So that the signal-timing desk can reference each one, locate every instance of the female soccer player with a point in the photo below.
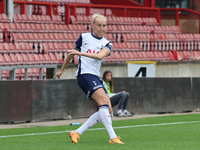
(92, 48)
(121, 99)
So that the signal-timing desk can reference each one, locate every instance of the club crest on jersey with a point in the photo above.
(94, 82)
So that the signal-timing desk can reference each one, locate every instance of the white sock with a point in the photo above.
(106, 120)
(94, 119)
(119, 111)
(125, 111)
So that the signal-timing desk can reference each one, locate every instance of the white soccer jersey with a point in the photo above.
(88, 43)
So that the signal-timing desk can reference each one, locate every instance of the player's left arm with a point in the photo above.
(103, 53)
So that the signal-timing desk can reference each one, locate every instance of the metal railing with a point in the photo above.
(12, 70)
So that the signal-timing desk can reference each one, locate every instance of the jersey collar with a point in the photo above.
(96, 37)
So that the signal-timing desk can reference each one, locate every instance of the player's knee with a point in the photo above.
(104, 100)
(127, 94)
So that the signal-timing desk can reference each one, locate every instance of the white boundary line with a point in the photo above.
(133, 126)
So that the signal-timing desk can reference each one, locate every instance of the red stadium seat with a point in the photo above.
(12, 48)
(2, 60)
(44, 19)
(4, 18)
(8, 60)
(37, 59)
(15, 18)
(56, 19)
(1, 48)
(53, 58)
(20, 59)
(6, 47)
(66, 46)
(31, 58)
(131, 56)
(51, 47)
(25, 18)
(57, 48)
(26, 59)
(48, 59)
(42, 59)
(73, 19)
(13, 27)
(18, 74)
(79, 19)
(61, 37)
(45, 47)
(40, 20)
(59, 58)
(56, 37)
(38, 28)
(48, 19)
(35, 18)
(30, 19)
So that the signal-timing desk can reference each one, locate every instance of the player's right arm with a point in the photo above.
(67, 60)
(78, 44)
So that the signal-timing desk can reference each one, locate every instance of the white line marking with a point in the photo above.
(133, 126)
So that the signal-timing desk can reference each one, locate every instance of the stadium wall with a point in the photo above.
(163, 69)
(55, 99)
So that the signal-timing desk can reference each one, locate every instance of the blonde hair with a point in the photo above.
(95, 16)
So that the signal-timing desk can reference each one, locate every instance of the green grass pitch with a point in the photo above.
(176, 132)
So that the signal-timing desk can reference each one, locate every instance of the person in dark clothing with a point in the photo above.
(121, 98)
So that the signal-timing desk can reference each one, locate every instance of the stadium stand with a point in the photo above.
(44, 40)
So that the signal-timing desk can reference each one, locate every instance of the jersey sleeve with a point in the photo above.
(108, 46)
(78, 42)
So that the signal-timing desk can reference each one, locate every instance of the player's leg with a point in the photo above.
(92, 120)
(103, 102)
(84, 82)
